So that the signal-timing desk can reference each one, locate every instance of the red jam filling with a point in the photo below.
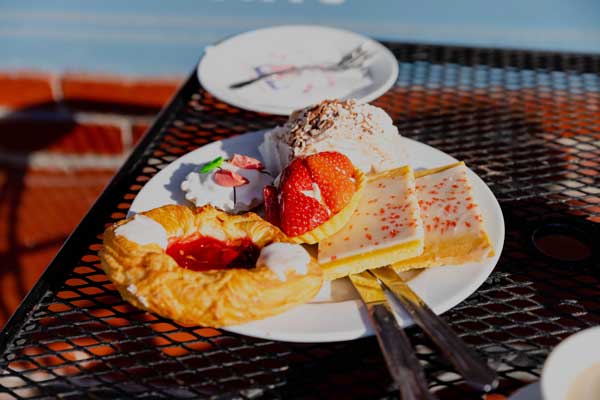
(204, 253)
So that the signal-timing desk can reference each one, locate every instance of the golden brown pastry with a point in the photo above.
(164, 261)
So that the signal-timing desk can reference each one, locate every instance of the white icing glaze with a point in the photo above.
(202, 189)
(143, 230)
(387, 215)
(447, 204)
(364, 133)
(281, 257)
(133, 290)
(143, 300)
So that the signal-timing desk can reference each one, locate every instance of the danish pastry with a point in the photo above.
(207, 267)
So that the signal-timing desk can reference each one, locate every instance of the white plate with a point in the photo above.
(341, 318)
(242, 56)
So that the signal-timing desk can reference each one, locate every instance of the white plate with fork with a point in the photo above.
(271, 50)
(337, 313)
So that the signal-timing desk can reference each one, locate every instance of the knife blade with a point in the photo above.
(475, 371)
(401, 360)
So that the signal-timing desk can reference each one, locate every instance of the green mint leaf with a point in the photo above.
(212, 165)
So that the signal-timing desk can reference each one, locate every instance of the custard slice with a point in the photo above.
(385, 228)
(454, 228)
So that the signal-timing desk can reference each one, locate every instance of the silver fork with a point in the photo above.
(353, 59)
(474, 370)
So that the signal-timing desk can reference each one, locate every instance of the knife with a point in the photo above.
(475, 372)
(401, 360)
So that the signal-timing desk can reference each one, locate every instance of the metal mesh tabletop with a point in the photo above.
(527, 123)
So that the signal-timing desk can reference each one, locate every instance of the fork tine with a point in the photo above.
(351, 55)
(358, 60)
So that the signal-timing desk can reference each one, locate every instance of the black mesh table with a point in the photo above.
(527, 122)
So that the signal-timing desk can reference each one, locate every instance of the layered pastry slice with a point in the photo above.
(385, 228)
(454, 228)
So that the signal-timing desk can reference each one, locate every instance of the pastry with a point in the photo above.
(207, 267)
(385, 228)
(315, 197)
(233, 185)
(454, 228)
(364, 133)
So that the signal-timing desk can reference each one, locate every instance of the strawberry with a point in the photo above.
(296, 177)
(336, 160)
(300, 213)
(271, 205)
(245, 162)
(227, 178)
(330, 170)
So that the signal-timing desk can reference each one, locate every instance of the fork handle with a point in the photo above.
(475, 371)
(403, 365)
(241, 84)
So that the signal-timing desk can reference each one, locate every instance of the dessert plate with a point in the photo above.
(267, 50)
(337, 314)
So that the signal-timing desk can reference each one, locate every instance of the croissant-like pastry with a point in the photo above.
(135, 257)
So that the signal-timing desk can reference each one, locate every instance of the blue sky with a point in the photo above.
(157, 37)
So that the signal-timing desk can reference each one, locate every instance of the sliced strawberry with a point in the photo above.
(227, 178)
(300, 213)
(245, 162)
(329, 171)
(271, 205)
(295, 177)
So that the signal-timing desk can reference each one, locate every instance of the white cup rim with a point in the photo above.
(570, 358)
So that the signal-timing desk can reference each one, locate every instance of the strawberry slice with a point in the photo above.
(296, 177)
(299, 213)
(330, 170)
(271, 205)
(227, 178)
(245, 162)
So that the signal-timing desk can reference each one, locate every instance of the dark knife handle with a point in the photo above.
(475, 371)
(402, 363)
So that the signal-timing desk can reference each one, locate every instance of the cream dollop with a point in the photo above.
(201, 189)
(143, 230)
(281, 257)
(364, 133)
